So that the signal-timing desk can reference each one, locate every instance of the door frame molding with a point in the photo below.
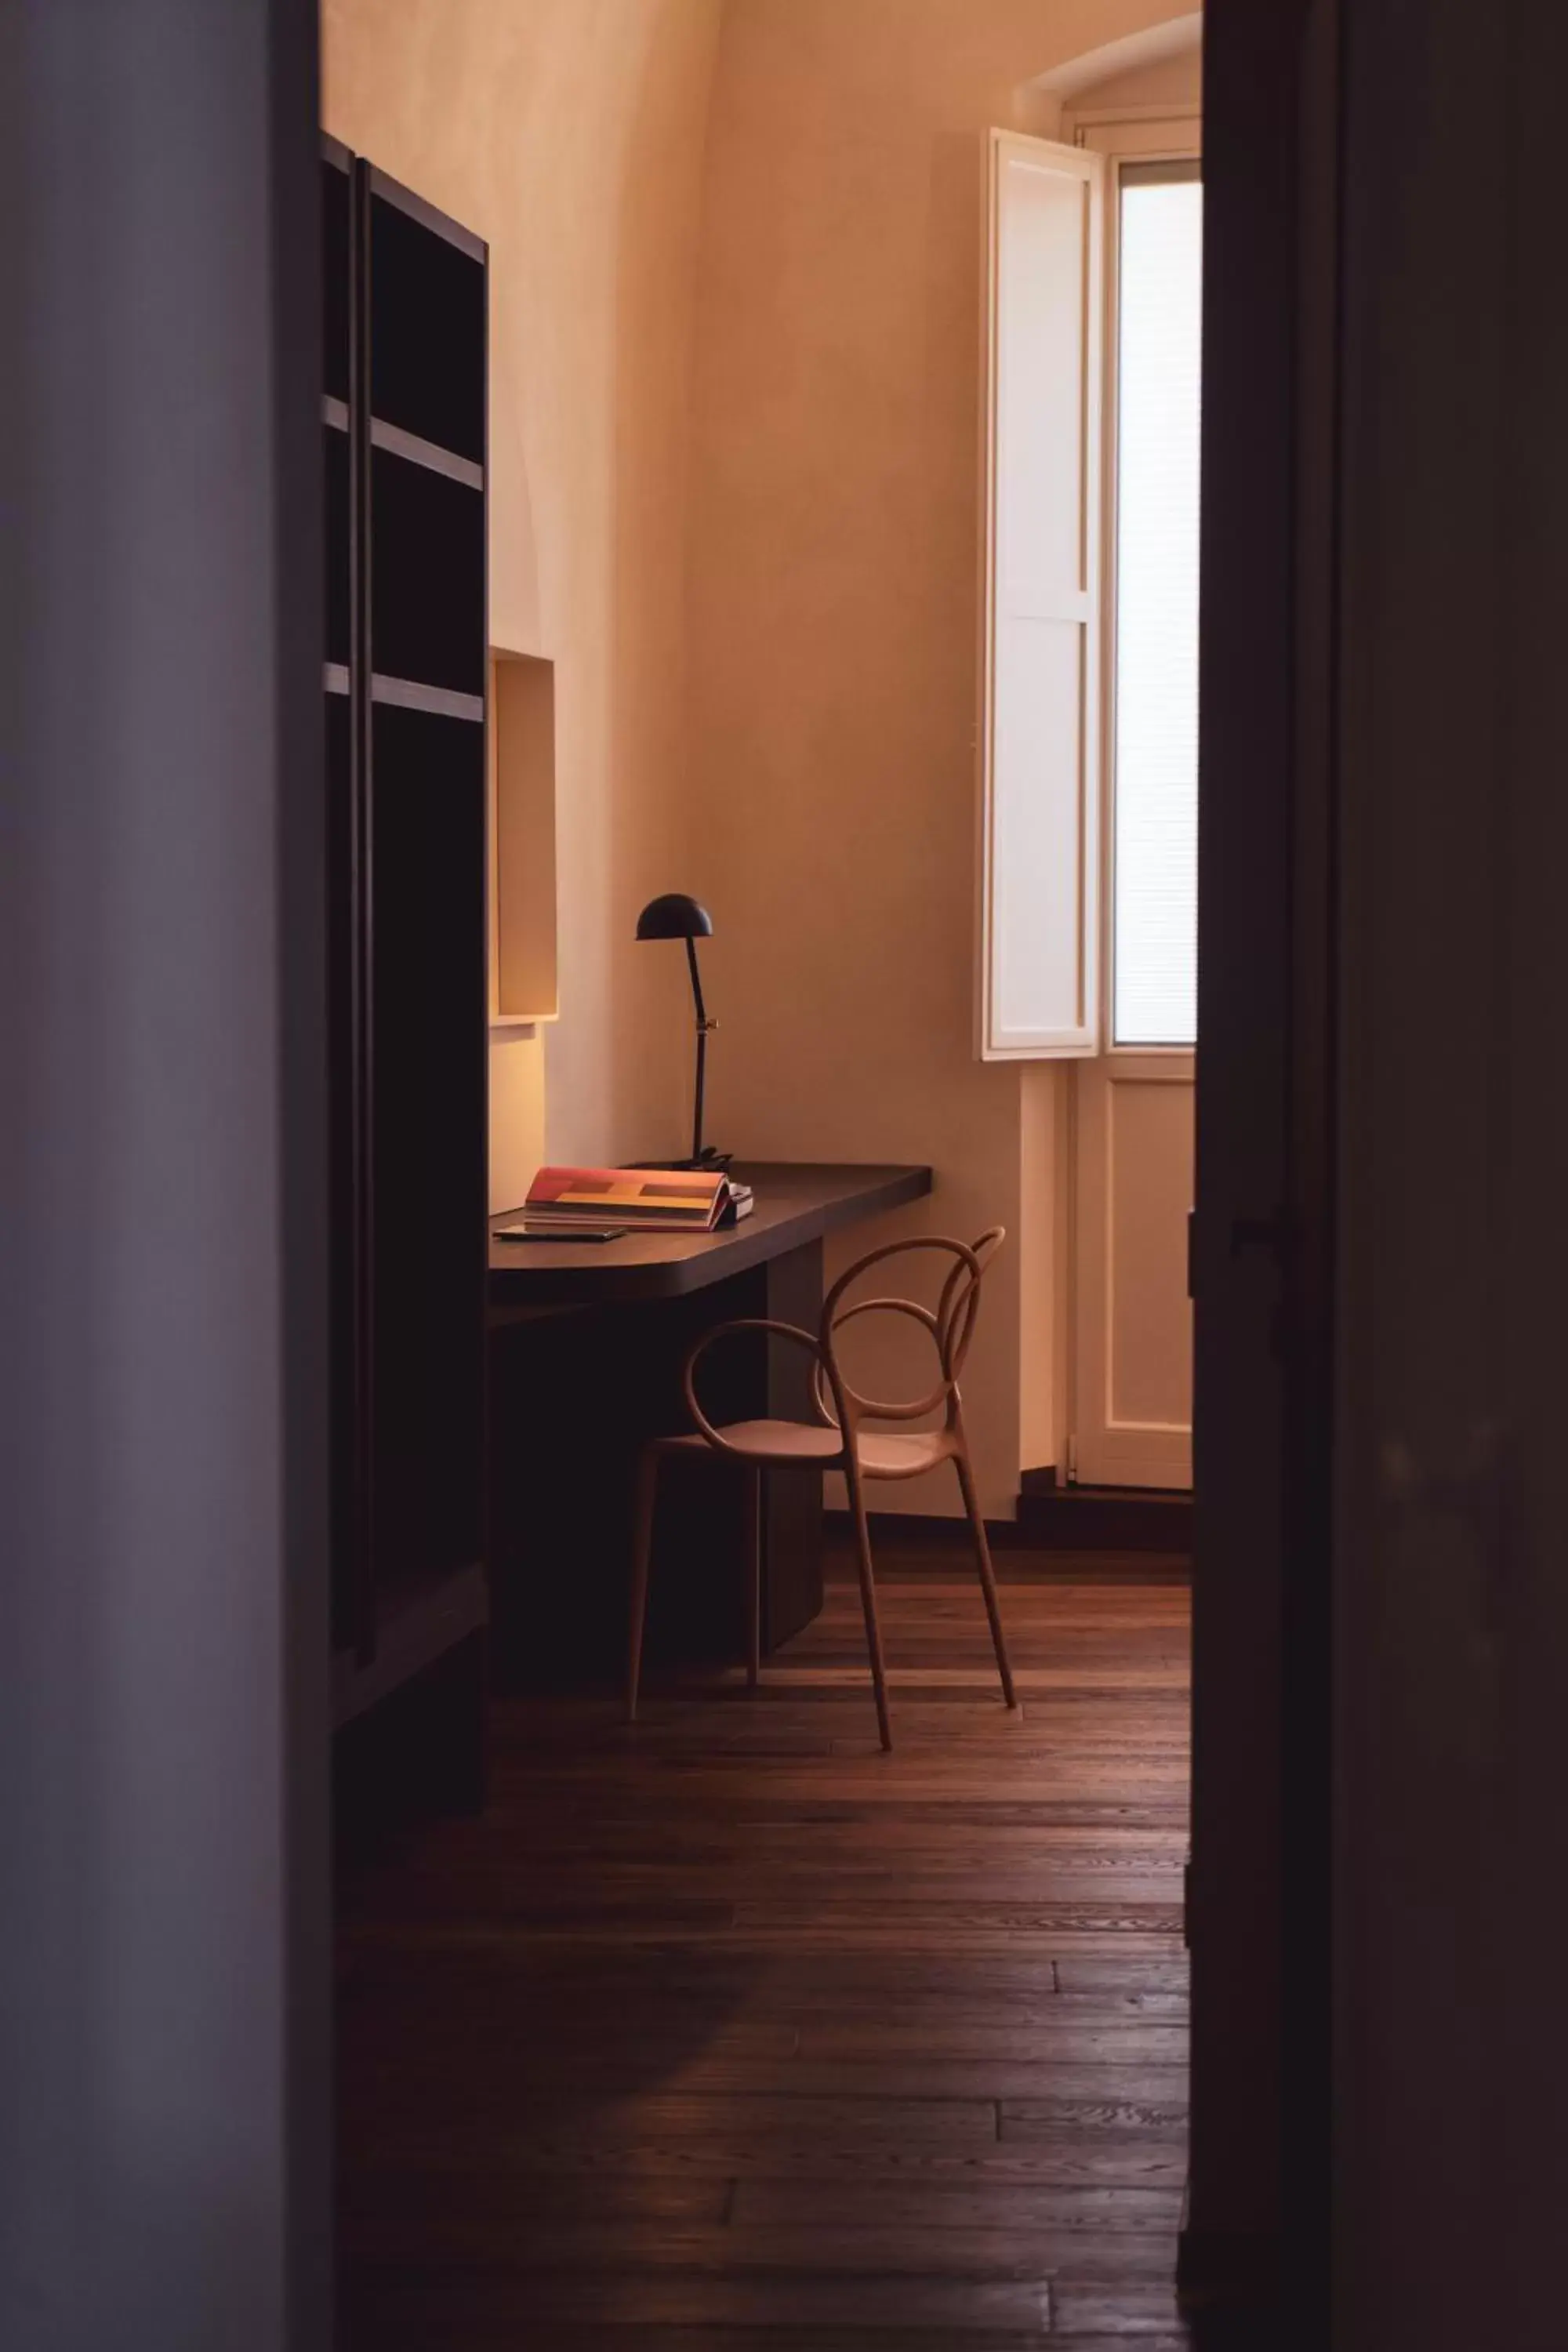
(1259, 1911)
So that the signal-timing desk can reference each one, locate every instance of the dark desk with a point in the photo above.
(797, 1204)
(589, 1340)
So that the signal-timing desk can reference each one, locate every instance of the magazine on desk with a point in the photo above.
(634, 1200)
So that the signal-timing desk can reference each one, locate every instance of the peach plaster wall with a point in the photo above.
(832, 630)
(735, 250)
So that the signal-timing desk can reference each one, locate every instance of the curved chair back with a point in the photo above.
(951, 1326)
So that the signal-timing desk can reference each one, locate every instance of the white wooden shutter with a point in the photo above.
(1040, 790)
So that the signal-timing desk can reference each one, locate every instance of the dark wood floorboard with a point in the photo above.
(730, 2034)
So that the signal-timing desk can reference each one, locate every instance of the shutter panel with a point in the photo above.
(1040, 772)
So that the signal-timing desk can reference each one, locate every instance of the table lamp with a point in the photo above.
(676, 916)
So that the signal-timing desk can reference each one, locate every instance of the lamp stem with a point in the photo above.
(701, 1051)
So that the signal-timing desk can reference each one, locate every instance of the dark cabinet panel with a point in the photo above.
(428, 301)
(338, 544)
(347, 1288)
(427, 576)
(405, 538)
(428, 1155)
(336, 276)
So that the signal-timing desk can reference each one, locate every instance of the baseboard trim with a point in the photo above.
(1025, 1554)
(1104, 1518)
(920, 1529)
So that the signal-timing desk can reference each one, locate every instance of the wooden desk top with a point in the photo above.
(797, 1202)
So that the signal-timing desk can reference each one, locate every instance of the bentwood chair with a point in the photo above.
(841, 1439)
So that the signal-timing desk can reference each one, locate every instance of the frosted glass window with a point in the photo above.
(1158, 402)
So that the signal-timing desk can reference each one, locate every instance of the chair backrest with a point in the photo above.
(951, 1326)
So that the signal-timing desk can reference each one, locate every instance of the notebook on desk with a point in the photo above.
(558, 1229)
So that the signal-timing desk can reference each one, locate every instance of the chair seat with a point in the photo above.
(883, 1454)
(902, 1451)
(889, 1453)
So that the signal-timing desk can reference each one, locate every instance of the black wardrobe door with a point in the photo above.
(429, 1091)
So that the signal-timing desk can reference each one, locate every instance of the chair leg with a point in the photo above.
(753, 1508)
(987, 1574)
(869, 1603)
(646, 1497)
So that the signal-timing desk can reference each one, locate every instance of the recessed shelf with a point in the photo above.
(407, 694)
(425, 453)
(334, 412)
(524, 988)
(336, 677)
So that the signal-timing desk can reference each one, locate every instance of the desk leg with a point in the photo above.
(793, 1526)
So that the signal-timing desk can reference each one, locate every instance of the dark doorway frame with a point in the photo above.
(165, 2132)
(1258, 1910)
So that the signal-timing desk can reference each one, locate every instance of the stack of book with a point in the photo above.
(568, 1201)
(602, 1205)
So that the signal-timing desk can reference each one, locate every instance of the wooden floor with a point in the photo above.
(731, 2032)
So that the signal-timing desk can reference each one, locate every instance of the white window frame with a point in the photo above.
(1156, 1453)
(1068, 1025)
(1131, 135)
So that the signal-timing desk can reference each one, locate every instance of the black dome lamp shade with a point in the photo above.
(675, 915)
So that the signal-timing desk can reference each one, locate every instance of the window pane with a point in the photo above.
(1156, 652)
